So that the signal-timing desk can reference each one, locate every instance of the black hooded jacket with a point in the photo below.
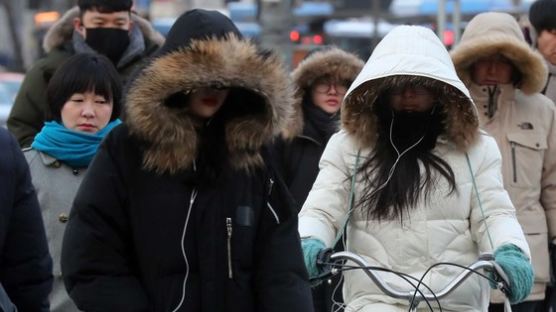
(25, 264)
(298, 150)
(164, 221)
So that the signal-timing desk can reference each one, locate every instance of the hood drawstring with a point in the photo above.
(492, 103)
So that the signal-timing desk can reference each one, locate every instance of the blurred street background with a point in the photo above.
(292, 27)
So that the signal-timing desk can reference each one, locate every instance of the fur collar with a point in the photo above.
(62, 31)
(170, 134)
(334, 63)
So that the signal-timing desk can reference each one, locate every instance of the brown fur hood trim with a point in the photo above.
(170, 132)
(358, 118)
(491, 33)
(334, 63)
(62, 31)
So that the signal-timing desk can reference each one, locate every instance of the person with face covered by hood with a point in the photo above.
(107, 27)
(322, 79)
(505, 77)
(181, 209)
(408, 155)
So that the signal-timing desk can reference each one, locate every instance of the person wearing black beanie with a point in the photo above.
(542, 16)
(181, 209)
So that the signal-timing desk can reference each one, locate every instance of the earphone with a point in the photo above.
(191, 202)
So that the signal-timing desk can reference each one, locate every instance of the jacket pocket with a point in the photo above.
(526, 158)
(535, 229)
(240, 240)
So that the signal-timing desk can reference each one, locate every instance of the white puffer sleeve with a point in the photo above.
(326, 206)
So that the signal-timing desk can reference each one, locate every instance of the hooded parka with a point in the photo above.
(301, 144)
(146, 233)
(61, 42)
(523, 125)
(446, 227)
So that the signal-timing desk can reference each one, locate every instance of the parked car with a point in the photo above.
(9, 86)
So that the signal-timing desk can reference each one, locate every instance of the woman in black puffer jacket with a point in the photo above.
(180, 209)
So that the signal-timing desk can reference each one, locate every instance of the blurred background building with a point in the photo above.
(291, 27)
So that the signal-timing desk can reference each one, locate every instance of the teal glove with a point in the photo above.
(311, 248)
(519, 270)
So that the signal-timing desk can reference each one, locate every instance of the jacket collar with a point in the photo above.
(135, 48)
(62, 31)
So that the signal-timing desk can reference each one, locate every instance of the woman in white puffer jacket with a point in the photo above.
(409, 129)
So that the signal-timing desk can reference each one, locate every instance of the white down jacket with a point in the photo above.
(445, 228)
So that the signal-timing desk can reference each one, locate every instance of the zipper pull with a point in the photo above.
(229, 245)
(271, 184)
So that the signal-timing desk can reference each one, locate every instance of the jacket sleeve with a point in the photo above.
(26, 266)
(28, 112)
(493, 221)
(99, 272)
(281, 278)
(326, 208)
(548, 181)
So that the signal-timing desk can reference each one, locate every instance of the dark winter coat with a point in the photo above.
(143, 198)
(25, 264)
(28, 113)
(300, 146)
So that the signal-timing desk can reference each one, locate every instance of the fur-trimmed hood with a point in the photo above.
(494, 32)
(334, 63)
(229, 61)
(62, 31)
(410, 54)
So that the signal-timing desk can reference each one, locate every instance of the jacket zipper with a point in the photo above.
(270, 185)
(229, 244)
(512, 144)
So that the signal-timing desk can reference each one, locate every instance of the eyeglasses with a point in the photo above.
(326, 87)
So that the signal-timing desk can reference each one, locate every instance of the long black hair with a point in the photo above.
(390, 195)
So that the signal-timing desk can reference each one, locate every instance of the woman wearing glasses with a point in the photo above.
(322, 79)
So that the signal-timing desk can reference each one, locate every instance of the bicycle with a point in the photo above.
(335, 263)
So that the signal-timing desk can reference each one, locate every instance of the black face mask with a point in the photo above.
(409, 127)
(110, 42)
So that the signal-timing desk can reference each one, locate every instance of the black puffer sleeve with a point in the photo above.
(97, 265)
(25, 263)
(282, 280)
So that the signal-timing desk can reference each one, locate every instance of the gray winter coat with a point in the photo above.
(56, 185)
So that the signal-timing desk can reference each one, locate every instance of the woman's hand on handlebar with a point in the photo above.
(312, 247)
(518, 269)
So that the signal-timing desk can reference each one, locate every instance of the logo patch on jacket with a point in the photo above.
(526, 126)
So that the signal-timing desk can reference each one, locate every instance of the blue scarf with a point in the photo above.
(74, 148)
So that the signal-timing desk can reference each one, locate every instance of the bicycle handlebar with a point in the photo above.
(485, 261)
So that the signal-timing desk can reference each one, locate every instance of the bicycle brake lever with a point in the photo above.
(323, 258)
(504, 284)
